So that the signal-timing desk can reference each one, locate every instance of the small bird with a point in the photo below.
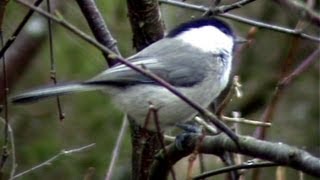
(194, 57)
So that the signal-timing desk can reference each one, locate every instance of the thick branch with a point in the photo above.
(279, 153)
(146, 23)
(98, 27)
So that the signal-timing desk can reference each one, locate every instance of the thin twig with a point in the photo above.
(202, 165)
(235, 89)
(192, 158)
(302, 9)
(55, 157)
(152, 76)
(267, 115)
(98, 27)
(210, 128)
(160, 137)
(53, 73)
(226, 8)
(301, 68)
(244, 20)
(13, 149)
(245, 121)
(116, 149)
(3, 7)
(282, 85)
(5, 152)
(234, 167)
(13, 153)
(18, 30)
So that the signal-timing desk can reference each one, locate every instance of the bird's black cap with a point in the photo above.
(197, 23)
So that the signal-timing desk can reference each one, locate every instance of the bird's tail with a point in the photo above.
(52, 91)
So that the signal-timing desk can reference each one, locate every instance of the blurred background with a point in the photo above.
(91, 117)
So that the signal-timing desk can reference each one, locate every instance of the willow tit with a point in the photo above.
(195, 57)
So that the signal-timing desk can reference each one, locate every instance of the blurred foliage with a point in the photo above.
(91, 117)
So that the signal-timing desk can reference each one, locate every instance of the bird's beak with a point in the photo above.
(240, 40)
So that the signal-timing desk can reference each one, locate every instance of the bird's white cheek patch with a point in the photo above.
(207, 38)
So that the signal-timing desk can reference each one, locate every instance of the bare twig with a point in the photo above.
(226, 8)
(55, 157)
(99, 27)
(5, 92)
(154, 112)
(234, 167)
(13, 149)
(154, 77)
(18, 30)
(245, 121)
(301, 68)
(268, 113)
(53, 71)
(210, 128)
(116, 149)
(244, 20)
(3, 5)
(192, 158)
(235, 88)
(301, 9)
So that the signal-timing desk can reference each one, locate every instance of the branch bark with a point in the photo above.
(98, 27)
(146, 23)
(279, 153)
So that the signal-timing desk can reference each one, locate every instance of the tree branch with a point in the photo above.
(234, 167)
(18, 30)
(116, 149)
(279, 153)
(226, 8)
(243, 20)
(301, 9)
(98, 27)
(146, 23)
(54, 158)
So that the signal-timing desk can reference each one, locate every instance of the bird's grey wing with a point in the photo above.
(176, 74)
(165, 58)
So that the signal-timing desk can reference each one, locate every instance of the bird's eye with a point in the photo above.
(223, 56)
